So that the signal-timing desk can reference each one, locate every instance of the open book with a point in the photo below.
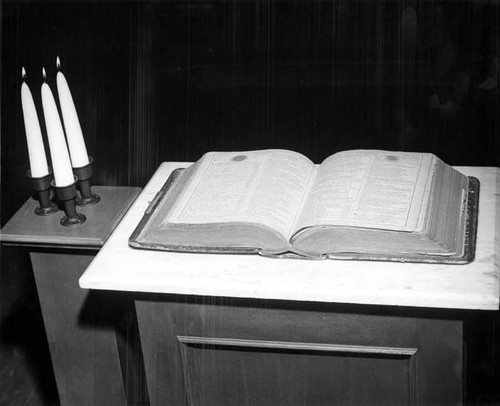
(359, 204)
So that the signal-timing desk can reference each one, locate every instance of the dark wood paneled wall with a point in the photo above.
(170, 80)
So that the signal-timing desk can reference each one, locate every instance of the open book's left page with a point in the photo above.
(264, 187)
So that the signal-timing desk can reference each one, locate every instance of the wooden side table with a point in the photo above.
(79, 326)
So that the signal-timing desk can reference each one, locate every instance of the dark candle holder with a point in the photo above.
(67, 195)
(84, 174)
(41, 186)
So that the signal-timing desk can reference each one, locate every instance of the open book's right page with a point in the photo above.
(370, 188)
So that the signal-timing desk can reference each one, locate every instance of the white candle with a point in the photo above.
(61, 163)
(36, 150)
(76, 143)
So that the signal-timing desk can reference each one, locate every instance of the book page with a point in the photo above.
(266, 187)
(366, 188)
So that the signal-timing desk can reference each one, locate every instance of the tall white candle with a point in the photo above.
(61, 163)
(76, 143)
(36, 149)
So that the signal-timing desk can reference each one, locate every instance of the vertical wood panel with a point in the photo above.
(143, 135)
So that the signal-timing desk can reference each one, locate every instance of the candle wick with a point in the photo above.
(44, 74)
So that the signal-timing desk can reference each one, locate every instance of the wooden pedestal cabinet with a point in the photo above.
(247, 352)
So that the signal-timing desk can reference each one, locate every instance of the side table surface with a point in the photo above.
(26, 228)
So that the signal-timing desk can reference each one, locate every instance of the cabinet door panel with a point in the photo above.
(251, 372)
(249, 352)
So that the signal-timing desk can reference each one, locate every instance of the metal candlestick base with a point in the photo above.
(67, 195)
(41, 186)
(84, 174)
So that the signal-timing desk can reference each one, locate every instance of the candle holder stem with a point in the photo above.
(44, 199)
(70, 209)
(41, 186)
(84, 174)
(67, 195)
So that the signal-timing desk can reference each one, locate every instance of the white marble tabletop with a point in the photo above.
(474, 286)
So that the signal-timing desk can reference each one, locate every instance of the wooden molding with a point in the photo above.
(296, 346)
